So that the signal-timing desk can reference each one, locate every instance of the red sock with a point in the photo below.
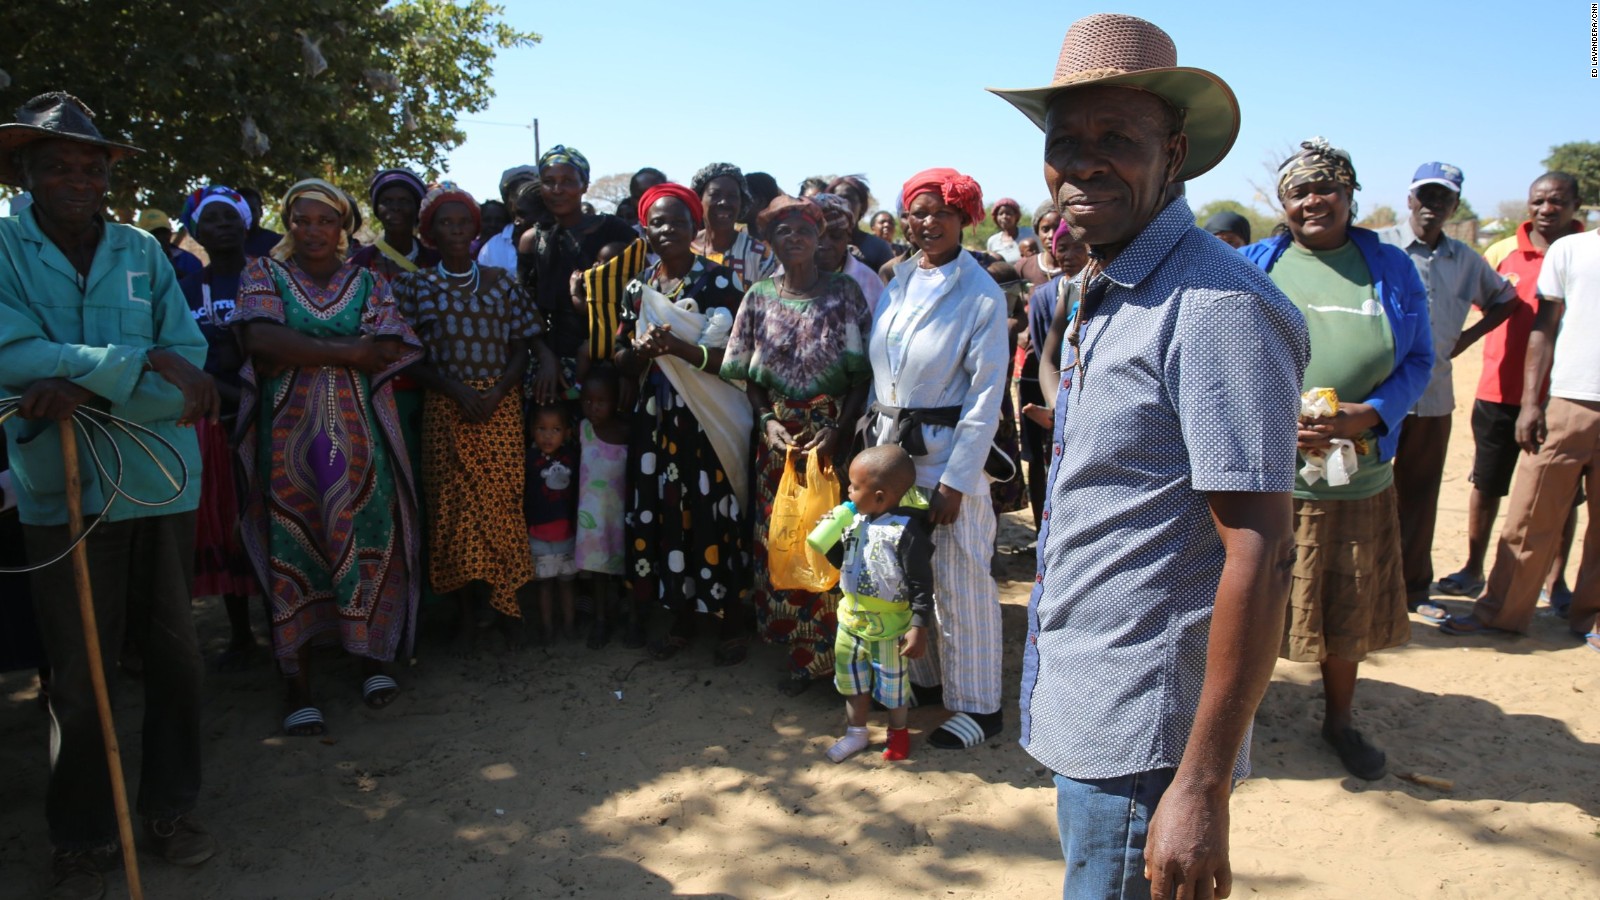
(899, 744)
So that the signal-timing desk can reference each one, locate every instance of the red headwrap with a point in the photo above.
(446, 192)
(697, 213)
(1004, 202)
(950, 186)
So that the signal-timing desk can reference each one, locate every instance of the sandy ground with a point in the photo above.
(570, 773)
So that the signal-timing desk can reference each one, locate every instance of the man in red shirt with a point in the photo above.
(1552, 207)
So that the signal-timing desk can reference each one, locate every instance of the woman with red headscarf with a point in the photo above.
(689, 450)
(938, 354)
(476, 326)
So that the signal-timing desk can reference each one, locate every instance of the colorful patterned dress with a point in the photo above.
(329, 518)
(809, 355)
(684, 528)
(472, 473)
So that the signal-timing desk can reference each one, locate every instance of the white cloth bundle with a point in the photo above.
(1338, 462)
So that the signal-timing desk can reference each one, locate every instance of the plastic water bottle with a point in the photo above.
(827, 532)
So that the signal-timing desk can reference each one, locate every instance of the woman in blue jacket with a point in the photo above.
(1367, 314)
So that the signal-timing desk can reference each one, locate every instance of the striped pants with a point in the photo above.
(964, 653)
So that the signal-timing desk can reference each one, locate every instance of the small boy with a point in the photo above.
(550, 504)
(885, 562)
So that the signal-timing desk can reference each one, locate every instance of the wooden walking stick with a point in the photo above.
(97, 672)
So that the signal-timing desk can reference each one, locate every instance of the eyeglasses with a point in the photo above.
(943, 212)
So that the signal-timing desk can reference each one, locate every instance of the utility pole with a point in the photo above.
(536, 152)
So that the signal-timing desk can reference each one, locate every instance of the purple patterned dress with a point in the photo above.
(329, 520)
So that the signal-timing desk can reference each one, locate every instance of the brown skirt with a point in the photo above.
(1349, 592)
(472, 476)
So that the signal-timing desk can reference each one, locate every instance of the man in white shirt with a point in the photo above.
(500, 251)
(1564, 440)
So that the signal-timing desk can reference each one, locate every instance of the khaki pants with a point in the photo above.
(1541, 500)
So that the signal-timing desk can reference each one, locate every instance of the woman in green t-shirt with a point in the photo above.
(1362, 303)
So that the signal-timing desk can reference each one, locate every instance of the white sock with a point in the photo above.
(854, 741)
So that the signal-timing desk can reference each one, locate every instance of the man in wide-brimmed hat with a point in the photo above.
(91, 316)
(1167, 540)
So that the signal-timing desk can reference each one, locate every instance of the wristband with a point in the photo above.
(705, 356)
(768, 416)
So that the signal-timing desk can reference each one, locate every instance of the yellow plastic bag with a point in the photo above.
(796, 509)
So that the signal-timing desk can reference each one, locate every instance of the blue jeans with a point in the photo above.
(1103, 825)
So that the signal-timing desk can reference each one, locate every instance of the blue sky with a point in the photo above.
(888, 88)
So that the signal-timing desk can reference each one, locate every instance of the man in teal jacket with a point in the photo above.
(91, 316)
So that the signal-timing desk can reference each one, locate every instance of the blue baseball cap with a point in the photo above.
(1437, 173)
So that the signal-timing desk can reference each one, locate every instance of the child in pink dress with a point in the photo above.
(602, 474)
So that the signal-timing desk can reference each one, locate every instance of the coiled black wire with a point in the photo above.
(94, 422)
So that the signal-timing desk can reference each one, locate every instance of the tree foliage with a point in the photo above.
(607, 191)
(1464, 212)
(1382, 216)
(1582, 160)
(1261, 224)
(259, 92)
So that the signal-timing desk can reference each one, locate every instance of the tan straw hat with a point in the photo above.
(1124, 51)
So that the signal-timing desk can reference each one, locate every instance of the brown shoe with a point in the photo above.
(180, 841)
(78, 873)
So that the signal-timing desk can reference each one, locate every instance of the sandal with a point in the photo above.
(963, 731)
(379, 691)
(304, 722)
(731, 652)
(666, 648)
(1467, 626)
(795, 685)
(1461, 584)
(1433, 612)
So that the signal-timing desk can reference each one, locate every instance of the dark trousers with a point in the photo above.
(140, 572)
(1418, 470)
(1035, 445)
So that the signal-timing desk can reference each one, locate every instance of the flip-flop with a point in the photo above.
(1592, 641)
(1461, 584)
(1433, 612)
(666, 648)
(1467, 626)
(730, 652)
(379, 691)
(306, 717)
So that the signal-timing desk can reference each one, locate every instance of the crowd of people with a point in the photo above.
(567, 425)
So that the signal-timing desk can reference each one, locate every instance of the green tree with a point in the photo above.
(1464, 212)
(1261, 224)
(260, 92)
(1582, 160)
(1380, 217)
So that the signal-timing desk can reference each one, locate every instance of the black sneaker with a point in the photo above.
(78, 873)
(180, 841)
(1360, 757)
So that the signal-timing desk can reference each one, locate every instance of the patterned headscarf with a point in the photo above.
(566, 156)
(835, 205)
(951, 187)
(395, 176)
(1317, 160)
(784, 207)
(206, 196)
(703, 178)
(322, 192)
(442, 193)
(697, 212)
